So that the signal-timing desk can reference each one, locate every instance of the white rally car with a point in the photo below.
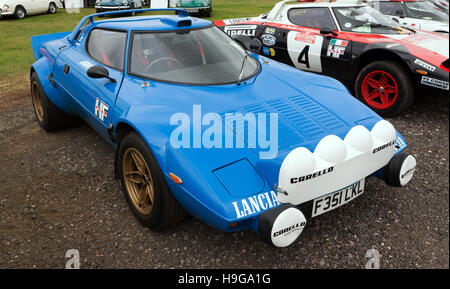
(381, 61)
(441, 4)
(22, 8)
(415, 14)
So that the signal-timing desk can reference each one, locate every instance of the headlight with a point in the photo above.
(205, 3)
(98, 2)
(5, 7)
(125, 3)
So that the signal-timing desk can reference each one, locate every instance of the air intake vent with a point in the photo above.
(184, 23)
(176, 22)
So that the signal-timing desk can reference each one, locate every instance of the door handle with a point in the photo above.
(66, 69)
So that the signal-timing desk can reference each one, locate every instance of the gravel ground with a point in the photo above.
(57, 192)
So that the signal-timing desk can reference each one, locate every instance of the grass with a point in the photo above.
(16, 55)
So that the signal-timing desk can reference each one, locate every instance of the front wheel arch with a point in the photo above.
(20, 7)
(121, 130)
(378, 55)
(165, 210)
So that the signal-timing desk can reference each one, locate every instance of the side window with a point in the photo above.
(107, 47)
(390, 8)
(312, 17)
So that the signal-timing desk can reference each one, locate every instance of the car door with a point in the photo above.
(38, 6)
(310, 50)
(31, 6)
(43, 5)
(94, 98)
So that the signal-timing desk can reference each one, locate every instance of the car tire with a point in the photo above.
(52, 8)
(49, 117)
(20, 12)
(208, 12)
(132, 8)
(156, 208)
(385, 86)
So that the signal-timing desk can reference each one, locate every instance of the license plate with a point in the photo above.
(334, 200)
(193, 10)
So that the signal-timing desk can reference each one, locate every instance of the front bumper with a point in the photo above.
(112, 7)
(195, 9)
(335, 162)
(6, 13)
(281, 226)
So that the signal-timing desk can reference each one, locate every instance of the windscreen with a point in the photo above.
(206, 57)
(365, 19)
(425, 10)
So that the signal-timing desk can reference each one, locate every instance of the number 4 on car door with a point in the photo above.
(305, 49)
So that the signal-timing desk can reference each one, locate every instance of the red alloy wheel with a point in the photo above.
(379, 89)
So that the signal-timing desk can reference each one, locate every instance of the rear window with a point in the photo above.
(107, 47)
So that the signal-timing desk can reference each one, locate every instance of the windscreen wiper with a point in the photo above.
(242, 69)
(391, 27)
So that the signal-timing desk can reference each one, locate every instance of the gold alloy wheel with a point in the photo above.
(138, 181)
(37, 101)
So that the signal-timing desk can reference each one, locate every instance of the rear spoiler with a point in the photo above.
(38, 41)
(74, 33)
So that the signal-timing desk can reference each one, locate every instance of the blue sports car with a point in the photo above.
(206, 126)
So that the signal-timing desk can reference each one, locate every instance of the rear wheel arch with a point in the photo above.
(49, 5)
(49, 116)
(32, 70)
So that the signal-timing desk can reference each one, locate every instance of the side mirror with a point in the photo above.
(248, 43)
(327, 31)
(255, 45)
(399, 13)
(98, 71)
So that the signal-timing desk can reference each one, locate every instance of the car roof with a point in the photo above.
(152, 22)
(342, 3)
(397, 1)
